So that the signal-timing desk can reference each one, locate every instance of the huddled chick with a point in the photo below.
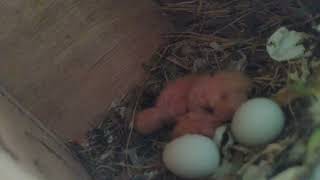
(195, 104)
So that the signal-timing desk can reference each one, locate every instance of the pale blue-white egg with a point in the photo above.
(258, 121)
(191, 156)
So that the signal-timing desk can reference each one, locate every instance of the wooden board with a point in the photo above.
(28, 151)
(66, 60)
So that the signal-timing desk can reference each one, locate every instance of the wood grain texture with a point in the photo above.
(30, 150)
(66, 60)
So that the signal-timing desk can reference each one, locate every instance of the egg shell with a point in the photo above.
(257, 122)
(284, 45)
(218, 135)
(191, 156)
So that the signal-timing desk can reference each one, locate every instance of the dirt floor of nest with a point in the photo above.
(210, 36)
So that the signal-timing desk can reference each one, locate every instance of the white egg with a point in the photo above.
(257, 122)
(191, 156)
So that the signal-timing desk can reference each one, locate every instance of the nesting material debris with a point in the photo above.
(316, 27)
(291, 173)
(286, 45)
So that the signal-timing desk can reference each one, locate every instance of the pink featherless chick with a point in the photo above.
(220, 94)
(172, 102)
(196, 123)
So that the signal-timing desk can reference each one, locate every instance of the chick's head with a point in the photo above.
(220, 94)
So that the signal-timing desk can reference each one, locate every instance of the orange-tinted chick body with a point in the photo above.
(196, 123)
(172, 102)
(197, 104)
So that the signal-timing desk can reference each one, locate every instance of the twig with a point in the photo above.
(217, 62)
(202, 37)
(305, 22)
(135, 167)
(228, 3)
(131, 125)
(232, 22)
(106, 167)
(275, 148)
(199, 8)
(174, 61)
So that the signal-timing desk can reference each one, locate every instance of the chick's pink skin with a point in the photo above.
(196, 123)
(212, 100)
(172, 102)
(149, 121)
(221, 94)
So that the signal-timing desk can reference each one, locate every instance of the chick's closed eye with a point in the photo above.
(223, 93)
(208, 109)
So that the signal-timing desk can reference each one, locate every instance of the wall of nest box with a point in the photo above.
(66, 61)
